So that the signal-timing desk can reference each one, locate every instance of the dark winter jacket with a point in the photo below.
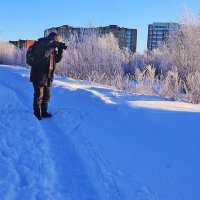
(40, 72)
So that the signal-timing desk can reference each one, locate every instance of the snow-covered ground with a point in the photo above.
(101, 144)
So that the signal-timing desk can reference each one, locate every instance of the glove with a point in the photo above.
(60, 51)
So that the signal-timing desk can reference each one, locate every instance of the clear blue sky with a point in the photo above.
(27, 19)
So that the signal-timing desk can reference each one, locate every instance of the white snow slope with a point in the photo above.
(101, 144)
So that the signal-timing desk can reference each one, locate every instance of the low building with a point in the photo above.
(127, 37)
(22, 43)
(158, 33)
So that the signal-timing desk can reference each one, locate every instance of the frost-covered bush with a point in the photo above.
(145, 80)
(192, 86)
(155, 58)
(171, 86)
(93, 57)
(11, 55)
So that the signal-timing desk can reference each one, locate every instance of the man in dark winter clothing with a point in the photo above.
(47, 52)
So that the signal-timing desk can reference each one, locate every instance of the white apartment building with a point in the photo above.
(158, 32)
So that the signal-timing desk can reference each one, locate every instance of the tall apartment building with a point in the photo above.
(158, 33)
(127, 38)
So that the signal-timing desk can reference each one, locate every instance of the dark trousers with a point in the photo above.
(41, 98)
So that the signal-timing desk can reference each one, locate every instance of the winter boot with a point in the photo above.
(45, 114)
(37, 115)
(36, 109)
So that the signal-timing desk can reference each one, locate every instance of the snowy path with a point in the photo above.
(62, 173)
(101, 144)
(25, 161)
(47, 164)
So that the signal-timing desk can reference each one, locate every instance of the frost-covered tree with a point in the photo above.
(91, 56)
(184, 45)
(183, 48)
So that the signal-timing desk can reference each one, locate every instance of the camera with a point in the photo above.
(62, 45)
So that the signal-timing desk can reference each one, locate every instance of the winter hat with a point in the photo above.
(52, 36)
